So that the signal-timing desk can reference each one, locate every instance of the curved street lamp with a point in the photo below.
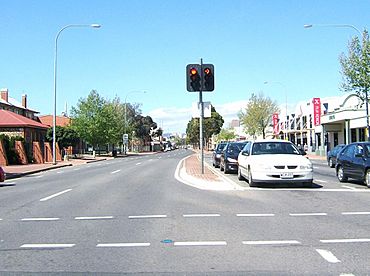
(55, 77)
(362, 35)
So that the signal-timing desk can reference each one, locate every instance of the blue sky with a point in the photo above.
(146, 45)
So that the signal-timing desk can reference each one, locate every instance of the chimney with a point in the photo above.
(4, 94)
(24, 100)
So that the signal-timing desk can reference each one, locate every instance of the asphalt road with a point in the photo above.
(132, 216)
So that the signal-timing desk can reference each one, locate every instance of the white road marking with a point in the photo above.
(307, 214)
(349, 187)
(200, 215)
(47, 245)
(345, 240)
(1, 219)
(60, 172)
(328, 256)
(320, 181)
(147, 216)
(76, 169)
(133, 244)
(10, 183)
(355, 213)
(94, 218)
(270, 242)
(38, 176)
(115, 171)
(255, 215)
(138, 163)
(306, 190)
(55, 195)
(200, 243)
(347, 274)
(40, 219)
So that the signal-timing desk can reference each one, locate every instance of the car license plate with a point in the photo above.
(286, 175)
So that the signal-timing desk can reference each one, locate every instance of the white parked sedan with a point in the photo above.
(274, 161)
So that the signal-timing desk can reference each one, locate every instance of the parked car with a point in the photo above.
(217, 154)
(229, 156)
(353, 162)
(274, 161)
(2, 175)
(332, 155)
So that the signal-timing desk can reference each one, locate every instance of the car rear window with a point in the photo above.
(274, 148)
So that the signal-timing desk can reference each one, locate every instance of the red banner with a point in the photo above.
(275, 120)
(316, 111)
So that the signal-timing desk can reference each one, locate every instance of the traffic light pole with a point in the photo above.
(201, 118)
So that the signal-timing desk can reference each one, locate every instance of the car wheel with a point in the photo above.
(340, 174)
(240, 177)
(250, 179)
(330, 163)
(221, 169)
(226, 171)
(367, 178)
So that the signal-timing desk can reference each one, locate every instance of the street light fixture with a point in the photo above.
(55, 77)
(363, 38)
(132, 92)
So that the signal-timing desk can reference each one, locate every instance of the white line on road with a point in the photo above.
(40, 219)
(38, 176)
(320, 181)
(55, 195)
(47, 245)
(138, 163)
(349, 187)
(200, 215)
(147, 216)
(255, 215)
(60, 172)
(355, 213)
(10, 183)
(200, 243)
(270, 242)
(307, 214)
(328, 256)
(132, 244)
(345, 240)
(76, 169)
(115, 171)
(94, 218)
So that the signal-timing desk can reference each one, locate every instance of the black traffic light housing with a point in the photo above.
(193, 79)
(208, 83)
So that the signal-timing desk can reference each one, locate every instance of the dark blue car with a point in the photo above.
(332, 155)
(229, 156)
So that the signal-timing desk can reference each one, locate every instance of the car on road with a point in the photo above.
(229, 156)
(2, 175)
(331, 157)
(216, 155)
(353, 161)
(274, 161)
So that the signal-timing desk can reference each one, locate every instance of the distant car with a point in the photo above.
(2, 175)
(332, 155)
(217, 154)
(274, 161)
(353, 161)
(229, 156)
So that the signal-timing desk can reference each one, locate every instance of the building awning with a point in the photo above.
(11, 119)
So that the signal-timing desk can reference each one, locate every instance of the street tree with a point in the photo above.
(356, 66)
(226, 135)
(257, 115)
(65, 136)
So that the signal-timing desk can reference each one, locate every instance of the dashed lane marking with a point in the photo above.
(282, 242)
(255, 215)
(47, 245)
(355, 213)
(328, 256)
(138, 164)
(55, 195)
(320, 181)
(345, 241)
(94, 218)
(307, 214)
(115, 171)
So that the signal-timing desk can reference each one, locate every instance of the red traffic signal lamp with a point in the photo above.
(193, 83)
(208, 83)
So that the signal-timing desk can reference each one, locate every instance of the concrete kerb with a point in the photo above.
(18, 175)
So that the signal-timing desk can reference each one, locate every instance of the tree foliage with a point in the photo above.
(356, 66)
(226, 135)
(256, 117)
(65, 136)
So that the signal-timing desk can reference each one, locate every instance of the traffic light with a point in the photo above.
(208, 83)
(193, 81)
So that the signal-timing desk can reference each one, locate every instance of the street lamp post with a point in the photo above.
(55, 78)
(306, 26)
(125, 148)
(286, 105)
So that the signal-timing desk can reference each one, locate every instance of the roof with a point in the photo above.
(11, 119)
(13, 102)
(61, 120)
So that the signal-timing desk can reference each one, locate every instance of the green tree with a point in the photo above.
(91, 119)
(65, 136)
(257, 116)
(356, 66)
(226, 135)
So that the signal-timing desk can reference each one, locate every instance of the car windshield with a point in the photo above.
(220, 147)
(274, 148)
(235, 147)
